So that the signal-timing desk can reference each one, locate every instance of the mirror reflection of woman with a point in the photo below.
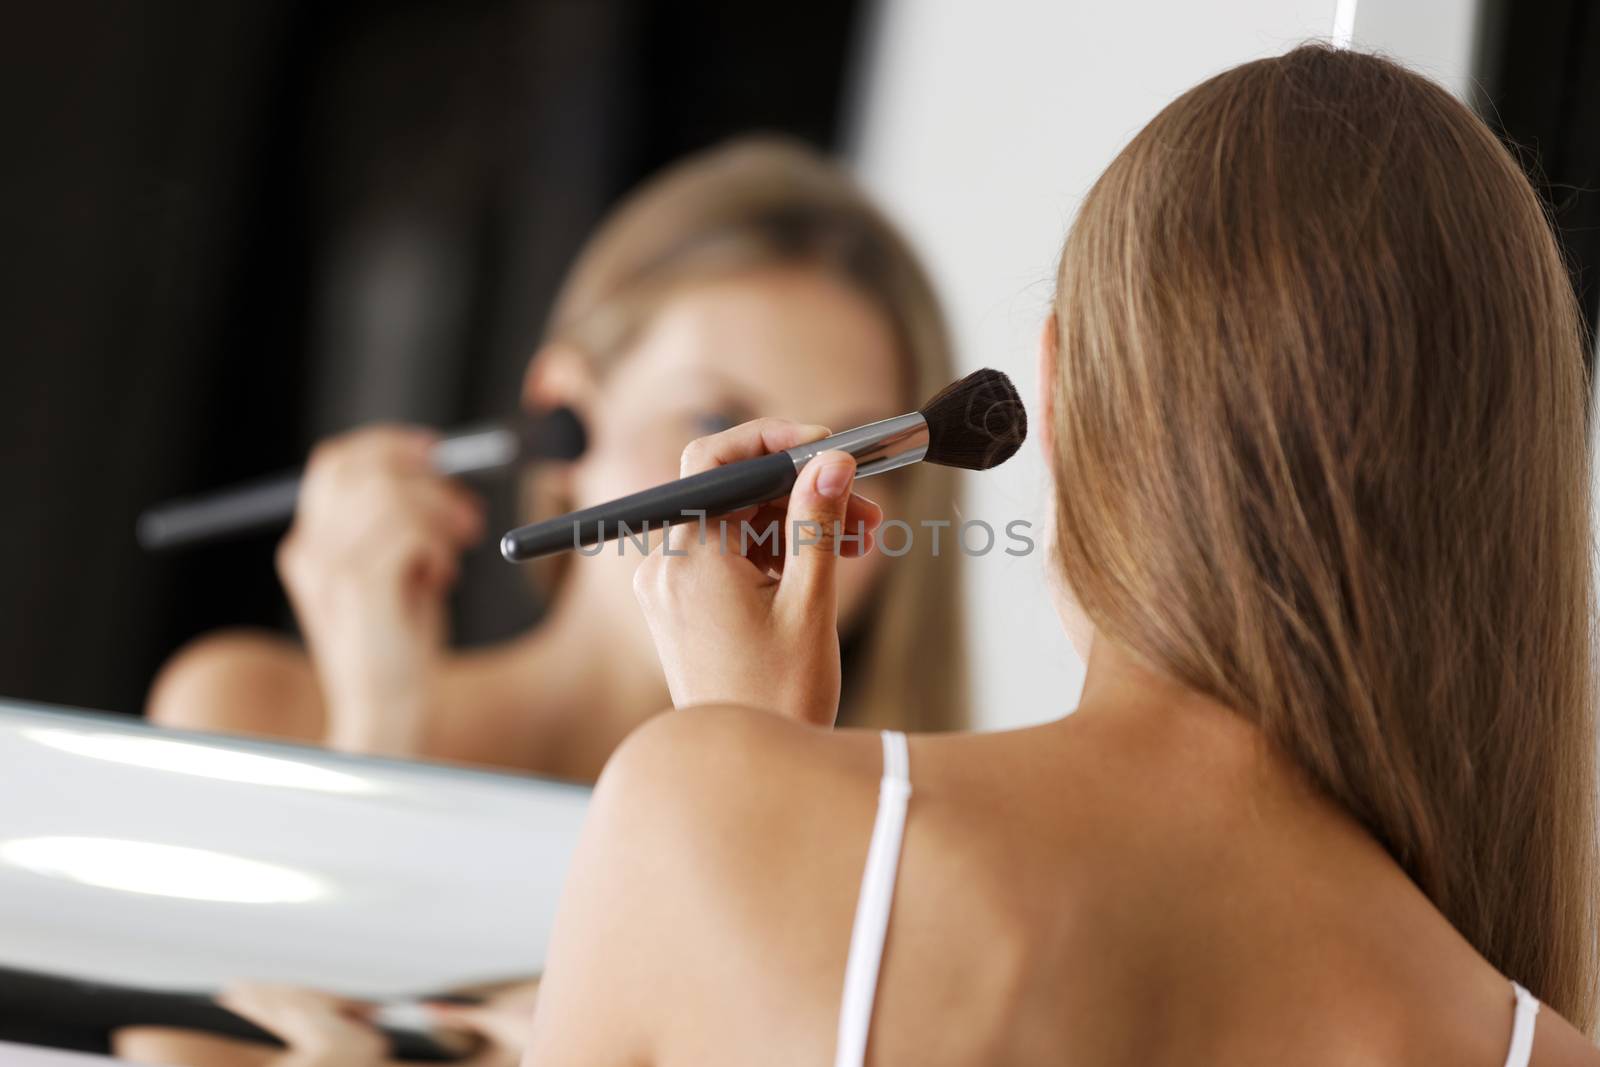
(751, 280)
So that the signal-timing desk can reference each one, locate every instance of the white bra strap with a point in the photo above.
(896, 759)
(872, 906)
(1522, 1027)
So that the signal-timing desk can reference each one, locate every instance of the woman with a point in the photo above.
(1314, 407)
(751, 279)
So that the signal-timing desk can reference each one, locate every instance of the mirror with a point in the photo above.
(143, 870)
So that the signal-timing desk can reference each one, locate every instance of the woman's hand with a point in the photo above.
(756, 623)
(319, 1029)
(372, 553)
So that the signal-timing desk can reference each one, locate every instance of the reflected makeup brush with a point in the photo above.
(975, 423)
(555, 434)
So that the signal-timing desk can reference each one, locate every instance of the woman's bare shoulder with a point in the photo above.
(766, 802)
(719, 840)
(742, 783)
(240, 680)
(753, 833)
(739, 748)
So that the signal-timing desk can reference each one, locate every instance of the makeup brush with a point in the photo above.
(975, 423)
(553, 434)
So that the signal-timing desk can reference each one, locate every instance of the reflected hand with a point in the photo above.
(502, 1022)
(320, 1029)
(367, 564)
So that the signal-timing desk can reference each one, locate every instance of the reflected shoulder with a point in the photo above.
(244, 681)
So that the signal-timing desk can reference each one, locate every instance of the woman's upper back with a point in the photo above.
(1104, 890)
(1163, 892)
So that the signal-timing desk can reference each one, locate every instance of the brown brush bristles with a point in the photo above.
(975, 423)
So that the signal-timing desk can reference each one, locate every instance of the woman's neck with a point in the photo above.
(1202, 738)
(1125, 694)
(590, 680)
(1118, 680)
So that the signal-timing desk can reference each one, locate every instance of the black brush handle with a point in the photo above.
(555, 434)
(258, 506)
(714, 492)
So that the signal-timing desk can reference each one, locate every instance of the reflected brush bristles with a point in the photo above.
(976, 423)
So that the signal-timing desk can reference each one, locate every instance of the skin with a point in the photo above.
(375, 674)
(322, 1030)
(1145, 881)
(376, 542)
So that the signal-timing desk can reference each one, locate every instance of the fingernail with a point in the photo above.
(833, 480)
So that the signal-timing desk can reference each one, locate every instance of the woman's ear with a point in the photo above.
(1046, 359)
(559, 375)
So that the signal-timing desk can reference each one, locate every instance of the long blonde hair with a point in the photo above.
(765, 202)
(1321, 455)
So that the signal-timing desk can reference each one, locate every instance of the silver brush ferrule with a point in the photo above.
(877, 446)
(482, 450)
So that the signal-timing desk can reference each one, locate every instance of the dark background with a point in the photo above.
(233, 227)
(1539, 87)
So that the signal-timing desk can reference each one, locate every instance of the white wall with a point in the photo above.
(1435, 37)
(981, 124)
